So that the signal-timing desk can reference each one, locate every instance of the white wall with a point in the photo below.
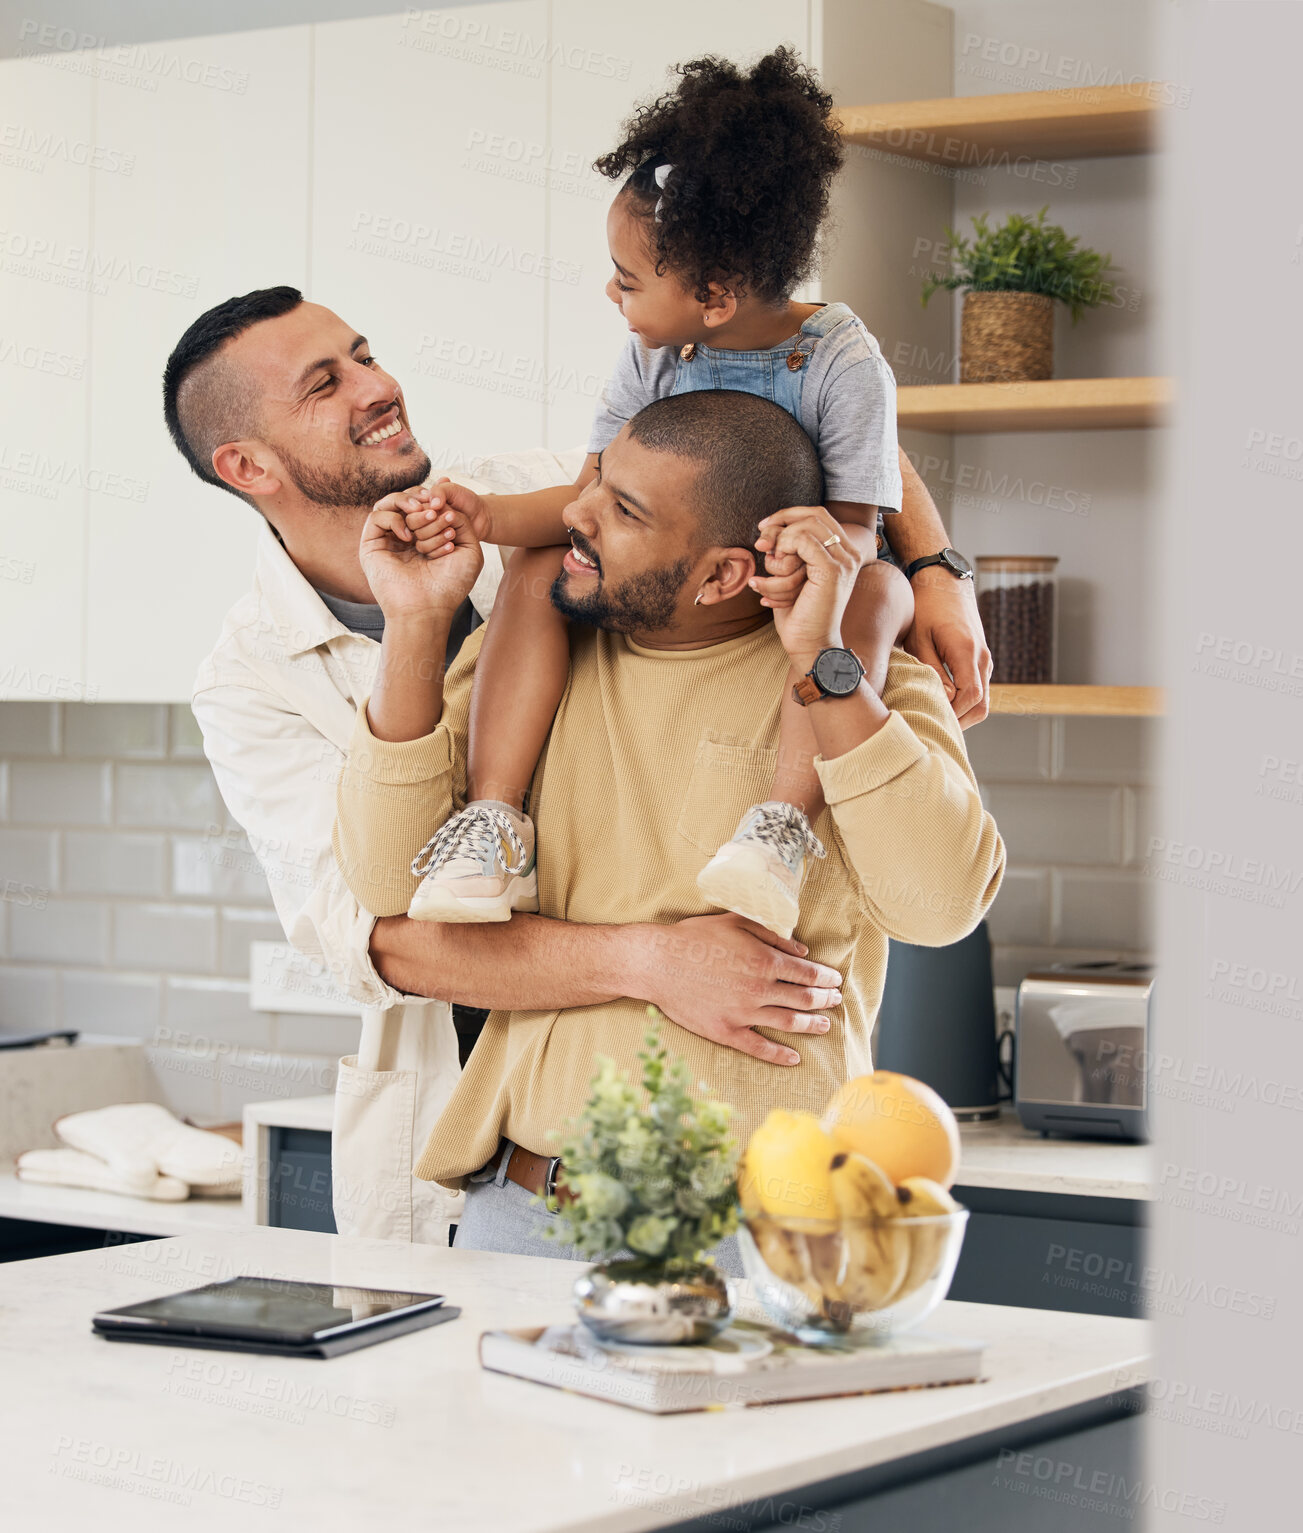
(427, 176)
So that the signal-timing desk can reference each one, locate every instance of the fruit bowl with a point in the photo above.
(863, 1279)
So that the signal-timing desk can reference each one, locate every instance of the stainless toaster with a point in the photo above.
(1084, 1036)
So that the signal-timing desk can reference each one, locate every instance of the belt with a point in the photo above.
(539, 1174)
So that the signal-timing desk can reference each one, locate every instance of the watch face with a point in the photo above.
(956, 562)
(838, 672)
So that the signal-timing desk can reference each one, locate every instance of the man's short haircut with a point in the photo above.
(206, 399)
(755, 458)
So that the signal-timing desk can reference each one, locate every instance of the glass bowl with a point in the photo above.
(864, 1279)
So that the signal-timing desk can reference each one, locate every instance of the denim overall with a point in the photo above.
(767, 373)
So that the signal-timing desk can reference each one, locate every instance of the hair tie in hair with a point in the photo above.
(660, 175)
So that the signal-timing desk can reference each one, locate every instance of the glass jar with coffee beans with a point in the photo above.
(1017, 598)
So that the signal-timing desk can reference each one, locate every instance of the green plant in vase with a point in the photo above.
(1012, 275)
(653, 1177)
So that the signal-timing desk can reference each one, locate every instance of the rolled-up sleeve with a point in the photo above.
(394, 795)
(277, 775)
(926, 855)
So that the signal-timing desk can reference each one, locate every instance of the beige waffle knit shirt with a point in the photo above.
(653, 758)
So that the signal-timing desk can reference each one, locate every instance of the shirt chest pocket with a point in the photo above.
(726, 779)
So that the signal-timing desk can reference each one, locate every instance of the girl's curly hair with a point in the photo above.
(753, 155)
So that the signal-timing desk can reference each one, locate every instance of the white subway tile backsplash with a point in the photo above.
(239, 929)
(217, 867)
(178, 937)
(125, 1004)
(211, 1008)
(1022, 909)
(1105, 750)
(29, 729)
(169, 796)
(60, 931)
(187, 1083)
(1143, 823)
(1008, 747)
(132, 730)
(1046, 823)
(28, 999)
(1106, 909)
(27, 858)
(58, 792)
(114, 862)
(187, 743)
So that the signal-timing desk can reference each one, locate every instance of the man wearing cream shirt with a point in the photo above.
(283, 404)
(666, 733)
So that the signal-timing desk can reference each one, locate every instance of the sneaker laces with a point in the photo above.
(473, 833)
(784, 828)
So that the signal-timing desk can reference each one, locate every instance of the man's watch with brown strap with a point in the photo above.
(835, 673)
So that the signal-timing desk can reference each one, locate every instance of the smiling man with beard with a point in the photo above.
(668, 724)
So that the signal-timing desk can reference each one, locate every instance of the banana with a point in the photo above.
(782, 1251)
(874, 1249)
(918, 1197)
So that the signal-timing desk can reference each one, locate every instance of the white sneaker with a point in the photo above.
(759, 872)
(479, 867)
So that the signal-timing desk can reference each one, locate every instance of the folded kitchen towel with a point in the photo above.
(133, 1135)
(74, 1168)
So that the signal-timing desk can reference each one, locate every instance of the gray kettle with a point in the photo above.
(937, 1022)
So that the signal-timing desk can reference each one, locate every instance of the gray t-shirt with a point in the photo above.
(368, 619)
(844, 396)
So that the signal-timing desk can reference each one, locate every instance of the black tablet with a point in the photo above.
(260, 1314)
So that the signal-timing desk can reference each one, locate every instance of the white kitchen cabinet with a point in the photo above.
(216, 205)
(46, 127)
(428, 213)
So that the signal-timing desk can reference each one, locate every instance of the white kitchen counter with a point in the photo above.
(412, 1433)
(113, 1210)
(1004, 1154)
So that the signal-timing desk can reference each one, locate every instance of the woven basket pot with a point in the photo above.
(1006, 338)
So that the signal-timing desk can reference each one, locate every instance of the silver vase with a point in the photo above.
(632, 1299)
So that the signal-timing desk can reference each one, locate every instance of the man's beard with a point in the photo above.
(357, 483)
(643, 603)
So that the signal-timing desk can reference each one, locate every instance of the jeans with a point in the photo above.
(501, 1216)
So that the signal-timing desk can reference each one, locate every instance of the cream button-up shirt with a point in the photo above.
(277, 701)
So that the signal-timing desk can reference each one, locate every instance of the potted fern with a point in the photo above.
(652, 1181)
(1012, 276)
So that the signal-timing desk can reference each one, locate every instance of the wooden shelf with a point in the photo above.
(1057, 404)
(1084, 702)
(985, 132)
